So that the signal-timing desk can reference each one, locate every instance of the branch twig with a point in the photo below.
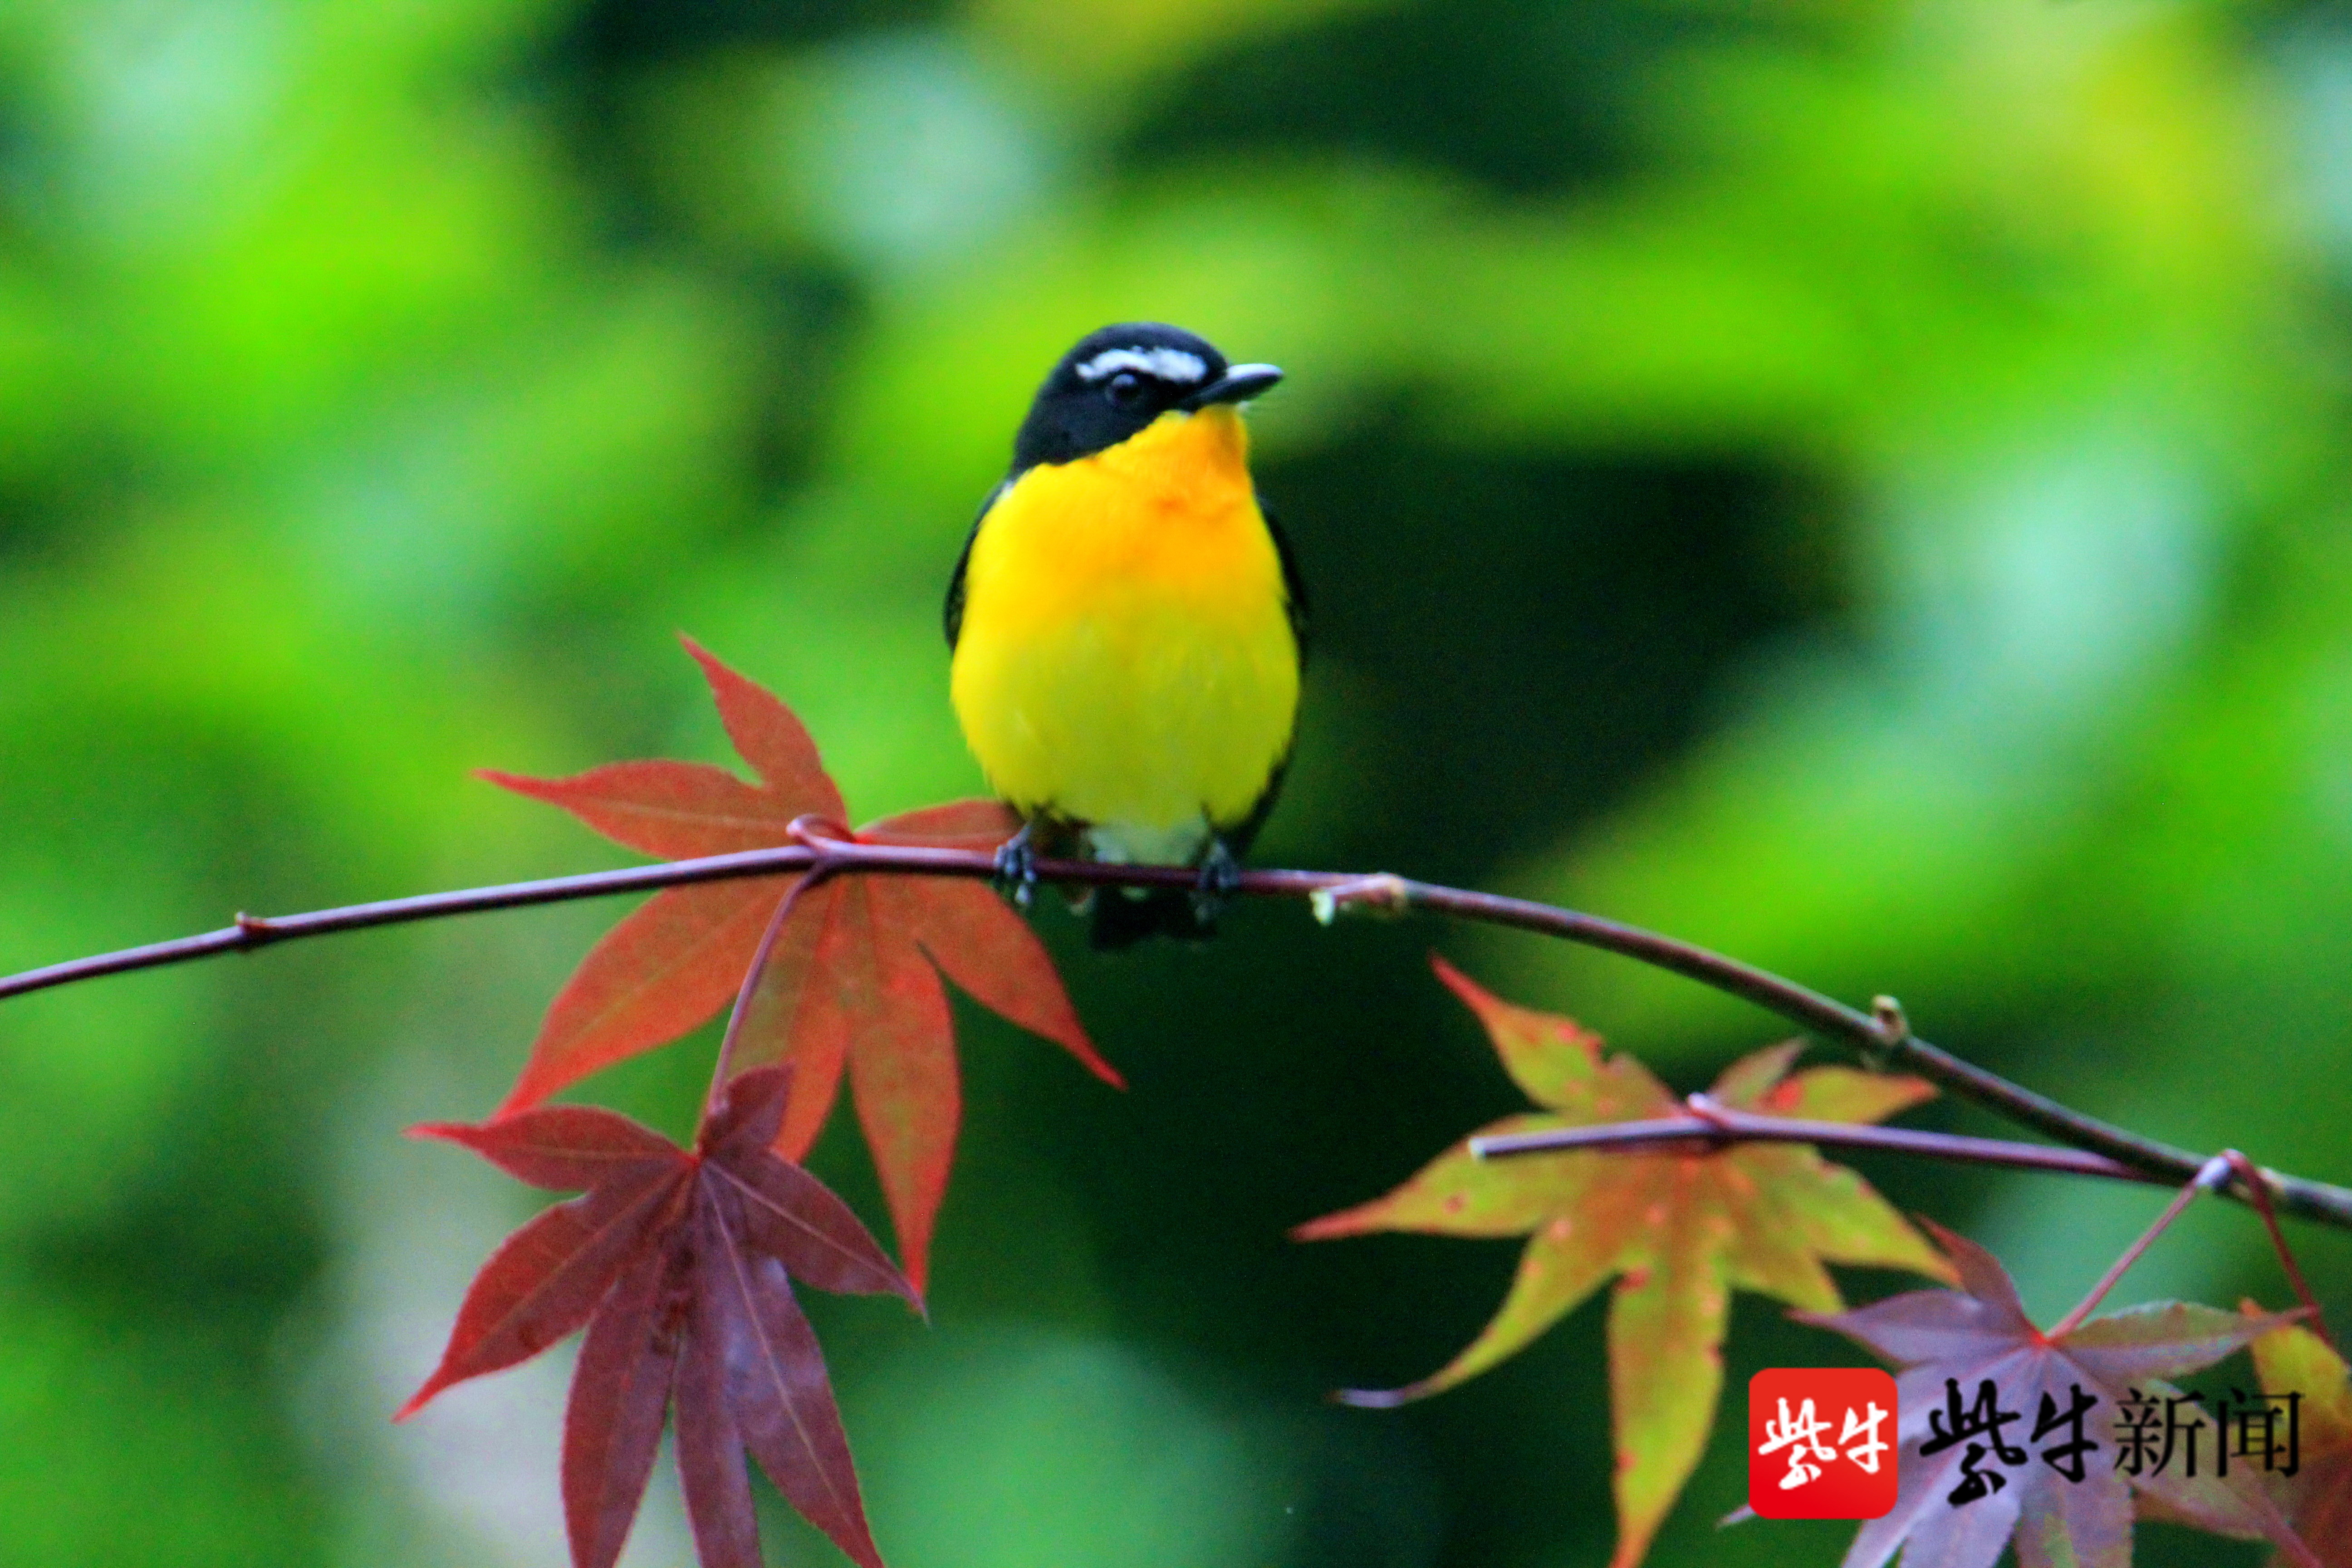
(1714, 1125)
(1882, 1035)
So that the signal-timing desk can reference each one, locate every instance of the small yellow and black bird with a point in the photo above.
(1127, 625)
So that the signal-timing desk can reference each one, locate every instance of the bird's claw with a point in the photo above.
(1016, 868)
(1221, 878)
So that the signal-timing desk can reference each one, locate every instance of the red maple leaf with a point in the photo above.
(680, 1264)
(853, 979)
(2056, 1503)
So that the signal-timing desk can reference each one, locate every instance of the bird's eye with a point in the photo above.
(1125, 389)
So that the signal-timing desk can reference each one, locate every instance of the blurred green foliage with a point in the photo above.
(1862, 486)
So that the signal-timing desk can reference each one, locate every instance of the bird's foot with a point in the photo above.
(1221, 878)
(1016, 867)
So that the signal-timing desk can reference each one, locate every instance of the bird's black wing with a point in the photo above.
(951, 616)
(1294, 586)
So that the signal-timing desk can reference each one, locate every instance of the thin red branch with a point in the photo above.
(1881, 1036)
(2295, 1281)
(1714, 1125)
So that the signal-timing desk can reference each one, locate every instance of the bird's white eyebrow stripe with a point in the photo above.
(1160, 364)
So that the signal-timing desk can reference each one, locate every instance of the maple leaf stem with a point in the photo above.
(721, 1069)
(1882, 1035)
(2216, 1170)
(2293, 1270)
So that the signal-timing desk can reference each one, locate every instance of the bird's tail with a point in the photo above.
(1121, 919)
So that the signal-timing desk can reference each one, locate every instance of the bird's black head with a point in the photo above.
(1120, 379)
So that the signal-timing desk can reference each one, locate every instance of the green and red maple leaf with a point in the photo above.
(1678, 1231)
(852, 980)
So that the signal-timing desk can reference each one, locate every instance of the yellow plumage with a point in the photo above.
(1126, 658)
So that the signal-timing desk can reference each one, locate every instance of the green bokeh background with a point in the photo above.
(1864, 487)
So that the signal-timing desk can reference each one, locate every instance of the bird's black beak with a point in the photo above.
(1238, 384)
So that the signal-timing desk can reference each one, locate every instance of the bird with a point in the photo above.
(1127, 627)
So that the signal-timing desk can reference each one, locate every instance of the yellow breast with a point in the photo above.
(1126, 655)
